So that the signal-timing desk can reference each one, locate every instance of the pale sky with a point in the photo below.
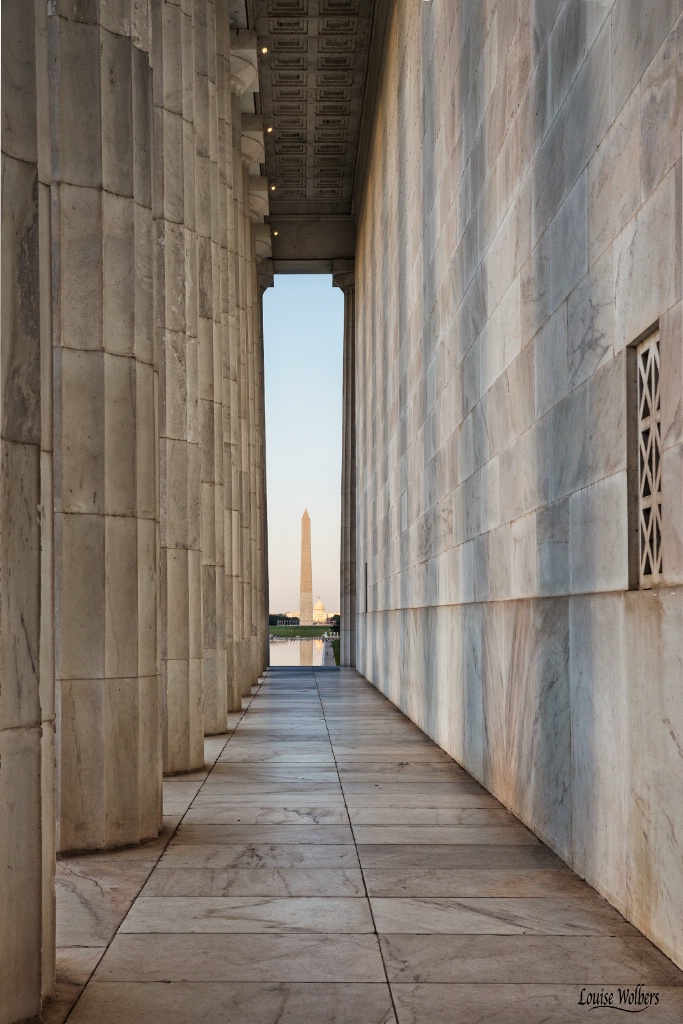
(303, 324)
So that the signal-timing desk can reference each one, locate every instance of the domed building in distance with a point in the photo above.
(319, 614)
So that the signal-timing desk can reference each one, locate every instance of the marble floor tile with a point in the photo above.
(180, 914)
(496, 916)
(239, 771)
(219, 812)
(377, 752)
(318, 834)
(235, 1003)
(431, 816)
(267, 855)
(412, 792)
(255, 882)
(461, 856)
(94, 895)
(450, 835)
(529, 882)
(542, 959)
(208, 797)
(401, 772)
(515, 1004)
(285, 789)
(454, 798)
(299, 753)
(271, 958)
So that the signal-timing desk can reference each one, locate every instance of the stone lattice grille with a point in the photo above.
(649, 462)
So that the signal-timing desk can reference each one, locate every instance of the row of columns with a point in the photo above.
(133, 587)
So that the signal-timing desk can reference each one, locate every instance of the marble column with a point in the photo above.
(27, 735)
(243, 442)
(247, 155)
(177, 329)
(105, 454)
(209, 114)
(222, 350)
(343, 278)
(265, 281)
(252, 428)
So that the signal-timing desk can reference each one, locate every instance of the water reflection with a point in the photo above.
(296, 652)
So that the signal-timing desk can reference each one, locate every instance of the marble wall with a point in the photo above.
(519, 229)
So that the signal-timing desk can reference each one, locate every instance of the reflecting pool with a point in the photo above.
(296, 652)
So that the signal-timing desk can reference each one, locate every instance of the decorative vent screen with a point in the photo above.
(649, 462)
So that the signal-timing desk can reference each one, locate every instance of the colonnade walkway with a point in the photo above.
(334, 866)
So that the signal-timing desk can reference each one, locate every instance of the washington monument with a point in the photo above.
(306, 596)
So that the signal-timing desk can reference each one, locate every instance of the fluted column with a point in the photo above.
(245, 504)
(105, 493)
(265, 281)
(177, 328)
(27, 738)
(209, 109)
(344, 278)
(232, 433)
(243, 80)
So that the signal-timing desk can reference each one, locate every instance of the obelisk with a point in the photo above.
(306, 589)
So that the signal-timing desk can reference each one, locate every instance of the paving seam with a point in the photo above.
(355, 844)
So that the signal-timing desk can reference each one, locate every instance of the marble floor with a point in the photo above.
(331, 865)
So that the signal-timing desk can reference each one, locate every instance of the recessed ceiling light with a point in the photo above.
(276, 233)
(264, 49)
(272, 188)
(269, 130)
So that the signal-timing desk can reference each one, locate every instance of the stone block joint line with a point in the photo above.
(335, 866)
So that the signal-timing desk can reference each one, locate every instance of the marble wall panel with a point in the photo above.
(647, 262)
(589, 322)
(654, 880)
(671, 354)
(550, 348)
(638, 31)
(614, 178)
(600, 757)
(598, 543)
(569, 242)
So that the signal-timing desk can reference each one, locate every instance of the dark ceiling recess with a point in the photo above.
(312, 91)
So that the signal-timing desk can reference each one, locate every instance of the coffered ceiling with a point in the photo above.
(314, 81)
